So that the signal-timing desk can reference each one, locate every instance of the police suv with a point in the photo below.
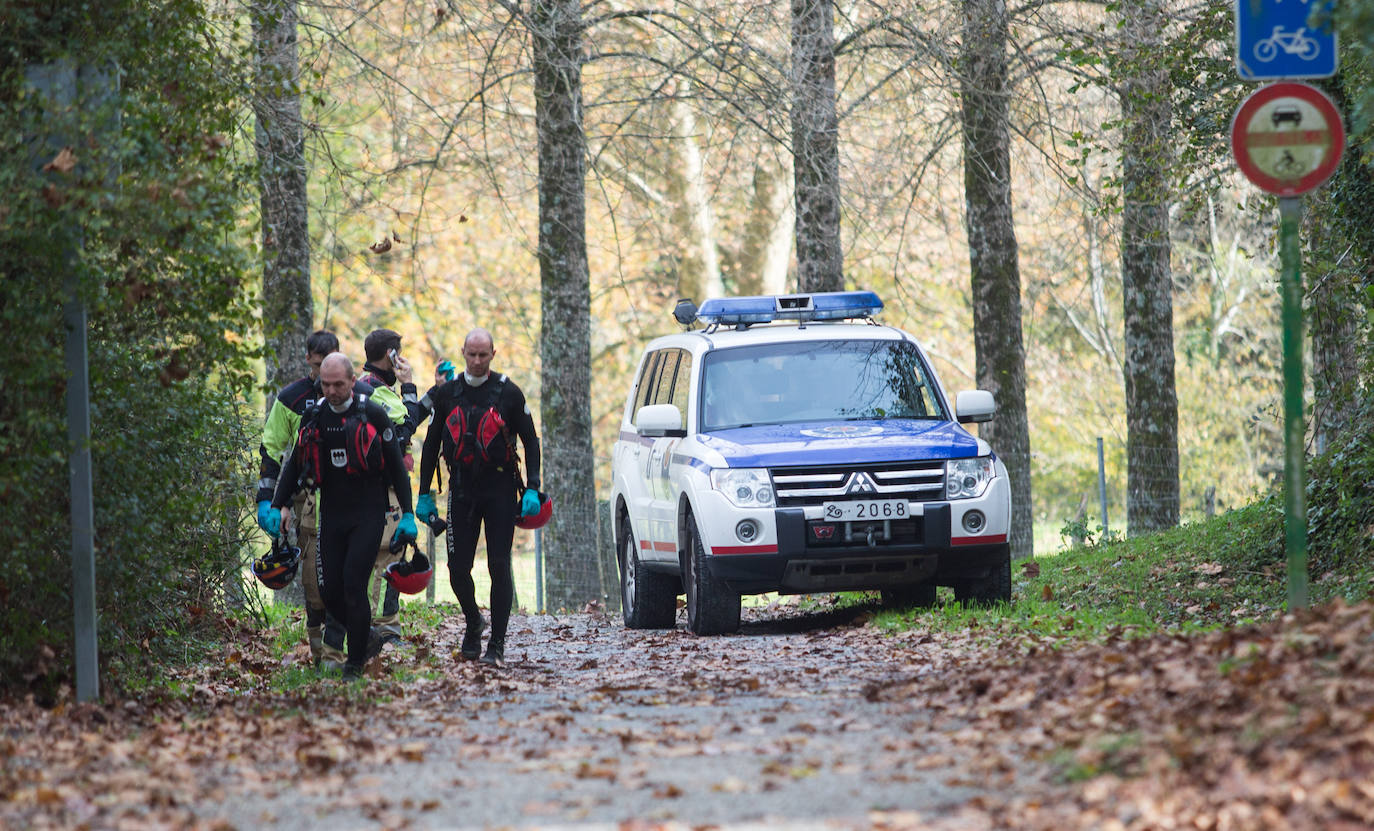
(794, 445)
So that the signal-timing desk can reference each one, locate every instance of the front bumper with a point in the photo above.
(816, 556)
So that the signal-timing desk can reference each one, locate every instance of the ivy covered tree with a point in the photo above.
(142, 206)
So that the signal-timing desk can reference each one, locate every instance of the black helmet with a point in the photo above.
(278, 569)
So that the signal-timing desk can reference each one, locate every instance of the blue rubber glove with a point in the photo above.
(405, 529)
(269, 519)
(424, 507)
(447, 369)
(529, 503)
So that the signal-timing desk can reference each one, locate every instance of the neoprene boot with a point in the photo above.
(496, 653)
(472, 638)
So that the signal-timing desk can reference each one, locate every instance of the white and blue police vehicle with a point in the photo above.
(794, 445)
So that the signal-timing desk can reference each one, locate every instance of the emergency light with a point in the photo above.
(831, 305)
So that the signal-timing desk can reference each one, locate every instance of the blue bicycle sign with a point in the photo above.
(1276, 39)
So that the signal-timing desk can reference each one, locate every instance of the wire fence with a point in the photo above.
(596, 563)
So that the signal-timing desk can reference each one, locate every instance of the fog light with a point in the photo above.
(974, 521)
(747, 530)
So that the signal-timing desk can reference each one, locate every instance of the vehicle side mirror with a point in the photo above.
(658, 420)
(974, 406)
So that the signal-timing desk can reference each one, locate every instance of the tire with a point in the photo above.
(1310, 48)
(1266, 50)
(994, 588)
(919, 596)
(647, 600)
(712, 608)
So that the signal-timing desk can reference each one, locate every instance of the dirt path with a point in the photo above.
(593, 724)
(801, 721)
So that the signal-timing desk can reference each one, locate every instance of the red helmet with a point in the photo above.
(540, 519)
(278, 569)
(410, 576)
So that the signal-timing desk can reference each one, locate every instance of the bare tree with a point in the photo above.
(815, 147)
(1152, 489)
(565, 333)
(993, 261)
(287, 308)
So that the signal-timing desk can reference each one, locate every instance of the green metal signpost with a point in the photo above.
(1287, 139)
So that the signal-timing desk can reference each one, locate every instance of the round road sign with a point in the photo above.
(1287, 138)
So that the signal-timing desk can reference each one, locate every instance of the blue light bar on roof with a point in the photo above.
(831, 305)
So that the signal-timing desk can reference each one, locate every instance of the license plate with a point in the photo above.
(864, 509)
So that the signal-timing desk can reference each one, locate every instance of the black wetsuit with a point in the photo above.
(481, 493)
(352, 514)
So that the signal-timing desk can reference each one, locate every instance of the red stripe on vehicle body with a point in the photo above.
(647, 545)
(745, 549)
(990, 539)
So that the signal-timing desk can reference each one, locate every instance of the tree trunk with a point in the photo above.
(1147, 302)
(565, 293)
(699, 265)
(287, 308)
(993, 263)
(1339, 249)
(767, 248)
(815, 147)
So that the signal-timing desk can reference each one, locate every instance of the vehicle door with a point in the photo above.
(633, 449)
(673, 381)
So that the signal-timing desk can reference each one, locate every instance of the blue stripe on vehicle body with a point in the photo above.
(684, 459)
(635, 438)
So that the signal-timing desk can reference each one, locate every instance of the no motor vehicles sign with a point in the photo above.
(1287, 138)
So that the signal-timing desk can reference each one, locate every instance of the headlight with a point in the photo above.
(967, 478)
(745, 487)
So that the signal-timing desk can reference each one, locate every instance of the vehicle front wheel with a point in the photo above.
(992, 588)
(647, 600)
(712, 608)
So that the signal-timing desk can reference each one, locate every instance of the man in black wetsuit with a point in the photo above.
(347, 448)
(477, 416)
(326, 635)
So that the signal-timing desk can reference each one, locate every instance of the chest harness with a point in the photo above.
(476, 436)
(362, 443)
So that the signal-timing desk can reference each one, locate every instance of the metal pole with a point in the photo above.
(1294, 467)
(83, 500)
(539, 570)
(1102, 485)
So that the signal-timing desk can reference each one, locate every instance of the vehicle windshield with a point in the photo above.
(784, 383)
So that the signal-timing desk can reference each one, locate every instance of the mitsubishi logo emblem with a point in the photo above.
(860, 482)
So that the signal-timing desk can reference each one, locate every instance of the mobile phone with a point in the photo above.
(393, 355)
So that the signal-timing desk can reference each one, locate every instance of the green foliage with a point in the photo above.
(1340, 508)
(147, 224)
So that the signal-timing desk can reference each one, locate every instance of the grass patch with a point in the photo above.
(1226, 571)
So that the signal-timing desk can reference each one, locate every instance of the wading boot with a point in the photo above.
(316, 636)
(472, 638)
(496, 653)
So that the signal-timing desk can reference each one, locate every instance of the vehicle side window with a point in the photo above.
(682, 385)
(647, 380)
(663, 388)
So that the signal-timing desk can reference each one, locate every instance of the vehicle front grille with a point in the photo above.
(801, 486)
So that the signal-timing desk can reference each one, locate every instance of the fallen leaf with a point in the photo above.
(63, 162)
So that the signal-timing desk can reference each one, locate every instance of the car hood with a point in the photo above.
(849, 442)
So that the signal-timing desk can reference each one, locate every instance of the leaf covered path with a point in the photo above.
(802, 720)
